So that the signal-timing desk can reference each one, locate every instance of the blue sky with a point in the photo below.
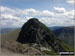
(37, 4)
(55, 7)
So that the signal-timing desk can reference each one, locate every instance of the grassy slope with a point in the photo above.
(11, 36)
(66, 34)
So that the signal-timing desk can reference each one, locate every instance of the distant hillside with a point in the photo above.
(10, 36)
(66, 34)
(6, 30)
(55, 27)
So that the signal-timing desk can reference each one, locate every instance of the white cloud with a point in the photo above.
(59, 10)
(17, 17)
(47, 13)
(63, 13)
(7, 10)
(30, 11)
(71, 2)
(70, 14)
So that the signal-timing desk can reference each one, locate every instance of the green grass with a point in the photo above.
(67, 47)
(49, 52)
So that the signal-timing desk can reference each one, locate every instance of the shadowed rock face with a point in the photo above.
(33, 31)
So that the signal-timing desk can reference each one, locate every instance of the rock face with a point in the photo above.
(33, 31)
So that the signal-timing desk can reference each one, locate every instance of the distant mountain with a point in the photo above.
(6, 30)
(65, 34)
(55, 27)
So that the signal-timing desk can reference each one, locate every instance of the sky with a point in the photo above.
(14, 13)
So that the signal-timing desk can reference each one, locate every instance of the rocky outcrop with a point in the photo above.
(33, 31)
